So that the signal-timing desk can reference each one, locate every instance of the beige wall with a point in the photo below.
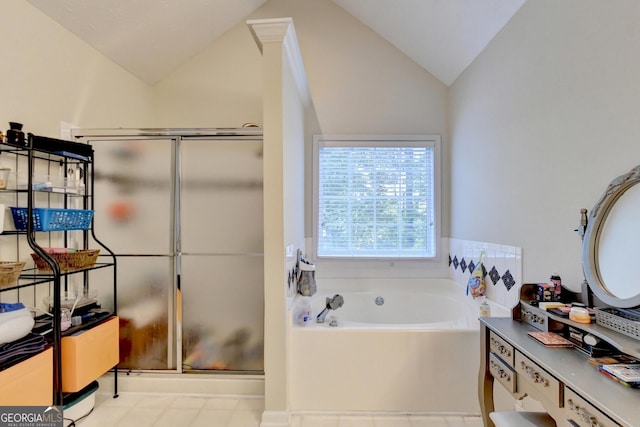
(220, 87)
(359, 83)
(48, 75)
(540, 124)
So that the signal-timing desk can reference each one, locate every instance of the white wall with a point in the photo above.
(48, 75)
(540, 123)
(359, 83)
(285, 104)
(220, 87)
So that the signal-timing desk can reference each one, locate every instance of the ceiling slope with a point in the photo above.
(442, 36)
(151, 38)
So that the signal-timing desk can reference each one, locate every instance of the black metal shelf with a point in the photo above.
(66, 154)
(44, 325)
(52, 149)
(33, 276)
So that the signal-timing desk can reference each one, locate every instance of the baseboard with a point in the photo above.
(205, 384)
(275, 419)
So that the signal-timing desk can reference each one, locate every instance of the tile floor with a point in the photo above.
(163, 410)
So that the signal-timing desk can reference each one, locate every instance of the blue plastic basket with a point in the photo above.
(53, 219)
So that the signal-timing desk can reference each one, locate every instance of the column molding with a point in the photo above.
(282, 30)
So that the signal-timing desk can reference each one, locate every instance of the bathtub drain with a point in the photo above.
(379, 301)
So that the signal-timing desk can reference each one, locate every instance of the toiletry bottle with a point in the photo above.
(302, 311)
(557, 286)
(485, 308)
(15, 135)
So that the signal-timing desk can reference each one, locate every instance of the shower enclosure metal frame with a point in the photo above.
(177, 136)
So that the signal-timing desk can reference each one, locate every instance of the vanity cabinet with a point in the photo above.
(53, 181)
(572, 391)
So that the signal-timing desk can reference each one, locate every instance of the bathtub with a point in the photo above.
(418, 352)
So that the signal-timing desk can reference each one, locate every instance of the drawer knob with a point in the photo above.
(534, 375)
(585, 415)
(504, 351)
(502, 374)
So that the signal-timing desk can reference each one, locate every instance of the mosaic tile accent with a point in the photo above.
(494, 275)
(504, 263)
(464, 266)
(508, 280)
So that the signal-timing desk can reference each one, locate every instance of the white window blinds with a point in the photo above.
(376, 199)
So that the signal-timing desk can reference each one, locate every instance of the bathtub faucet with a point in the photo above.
(333, 303)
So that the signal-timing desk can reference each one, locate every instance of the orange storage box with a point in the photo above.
(29, 383)
(89, 354)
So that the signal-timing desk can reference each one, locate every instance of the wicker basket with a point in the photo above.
(9, 273)
(69, 260)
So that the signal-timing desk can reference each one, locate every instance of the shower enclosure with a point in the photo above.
(182, 209)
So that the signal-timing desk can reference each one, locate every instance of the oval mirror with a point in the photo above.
(611, 247)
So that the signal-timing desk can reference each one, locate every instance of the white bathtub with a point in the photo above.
(416, 353)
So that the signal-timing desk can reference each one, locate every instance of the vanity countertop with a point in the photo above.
(570, 367)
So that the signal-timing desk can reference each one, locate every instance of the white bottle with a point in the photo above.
(302, 311)
(485, 308)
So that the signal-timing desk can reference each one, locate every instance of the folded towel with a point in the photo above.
(30, 344)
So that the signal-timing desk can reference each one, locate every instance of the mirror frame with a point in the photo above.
(596, 221)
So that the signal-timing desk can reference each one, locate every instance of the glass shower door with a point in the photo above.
(221, 254)
(183, 214)
(134, 195)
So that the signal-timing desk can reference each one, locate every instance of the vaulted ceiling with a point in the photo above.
(151, 38)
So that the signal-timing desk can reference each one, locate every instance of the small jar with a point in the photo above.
(580, 315)
(485, 308)
(65, 319)
(15, 135)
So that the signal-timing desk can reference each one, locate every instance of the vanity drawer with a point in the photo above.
(583, 414)
(502, 372)
(534, 316)
(537, 382)
(501, 348)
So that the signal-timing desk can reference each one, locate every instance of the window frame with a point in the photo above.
(337, 140)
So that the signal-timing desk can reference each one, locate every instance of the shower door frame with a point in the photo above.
(175, 136)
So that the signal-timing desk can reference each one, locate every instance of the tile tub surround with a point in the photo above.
(502, 267)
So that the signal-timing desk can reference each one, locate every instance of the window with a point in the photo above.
(376, 197)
